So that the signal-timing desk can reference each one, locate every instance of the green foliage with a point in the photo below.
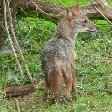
(93, 66)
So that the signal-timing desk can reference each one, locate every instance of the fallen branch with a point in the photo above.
(51, 9)
(16, 91)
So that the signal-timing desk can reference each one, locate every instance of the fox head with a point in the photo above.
(77, 21)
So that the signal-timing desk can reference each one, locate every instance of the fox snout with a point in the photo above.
(93, 29)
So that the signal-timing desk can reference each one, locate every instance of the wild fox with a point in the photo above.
(58, 54)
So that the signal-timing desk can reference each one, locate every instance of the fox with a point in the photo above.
(58, 55)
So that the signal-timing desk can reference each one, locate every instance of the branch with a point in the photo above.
(47, 14)
(51, 9)
(16, 43)
(45, 9)
(109, 91)
(8, 34)
(101, 14)
(16, 91)
(17, 104)
(22, 90)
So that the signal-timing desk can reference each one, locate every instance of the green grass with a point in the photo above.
(67, 3)
(93, 67)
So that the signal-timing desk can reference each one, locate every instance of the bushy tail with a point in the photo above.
(55, 80)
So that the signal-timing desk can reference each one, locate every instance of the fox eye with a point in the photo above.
(85, 21)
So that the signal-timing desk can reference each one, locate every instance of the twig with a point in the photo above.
(17, 45)
(8, 34)
(17, 104)
(101, 14)
(109, 91)
(48, 14)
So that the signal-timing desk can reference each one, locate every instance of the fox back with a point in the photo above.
(58, 55)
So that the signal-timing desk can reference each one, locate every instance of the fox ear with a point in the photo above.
(77, 6)
(69, 12)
